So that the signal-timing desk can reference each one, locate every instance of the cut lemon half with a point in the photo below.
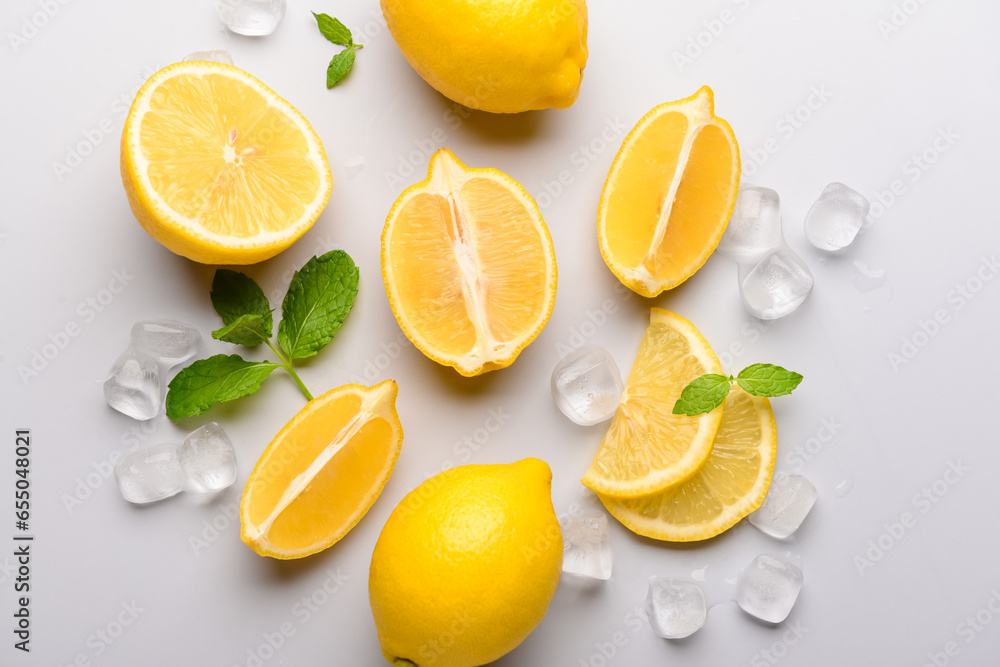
(218, 168)
(731, 484)
(669, 194)
(322, 472)
(468, 265)
(648, 448)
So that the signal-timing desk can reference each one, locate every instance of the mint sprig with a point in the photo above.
(707, 392)
(339, 34)
(319, 297)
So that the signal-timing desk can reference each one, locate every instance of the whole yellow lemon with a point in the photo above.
(502, 56)
(466, 565)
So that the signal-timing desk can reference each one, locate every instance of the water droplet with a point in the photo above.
(843, 487)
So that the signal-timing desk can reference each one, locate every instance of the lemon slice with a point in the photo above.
(468, 266)
(648, 448)
(731, 484)
(322, 472)
(669, 194)
(218, 168)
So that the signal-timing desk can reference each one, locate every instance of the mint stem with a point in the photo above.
(287, 365)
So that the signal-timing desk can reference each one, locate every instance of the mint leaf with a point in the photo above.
(339, 66)
(236, 294)
(319, 297)
(768, 380)
(214, 380)
(248, 330)
(702, 395)
(334, 30)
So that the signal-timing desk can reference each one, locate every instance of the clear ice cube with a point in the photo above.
(836, 217)
(587, 547)
(777, 285)
(787, 503)
(768, 588)
(587, 386)
(150, 474)
(676, 607)
(133, 385)
(250, 17)
(218, 56)
(755, 226)
(167, 341)
(208, 459)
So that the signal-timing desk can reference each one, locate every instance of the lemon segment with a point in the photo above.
(669, 194)
(218, 168)
(468, 266)
(647, 448)
(322, 472)
(730, 485)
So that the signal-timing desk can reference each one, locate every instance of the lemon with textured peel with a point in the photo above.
(466, 565)
(502, 56)
(468, 266)
(647, 448)
(669, 194)
(322, 472)
(732, 483)
(218, 168)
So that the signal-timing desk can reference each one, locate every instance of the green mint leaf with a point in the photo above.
(214, 380)
(768, 380)
(339, 67)
(248, 330)
(334, 30)
(319, 298)
(235, 295)
(702, 395)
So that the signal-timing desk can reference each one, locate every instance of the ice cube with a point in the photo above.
(167, 341)
(768, 588)
(777, 285)
(208, 459)
(787, 503)
(836, 217)
(676, 607)
(250, 17)
(587, 546)
(219, 56)
(150, 474)
(587, 386)
(133, 385)
(755, 226)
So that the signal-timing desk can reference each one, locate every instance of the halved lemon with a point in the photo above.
(669, 194)
(468, 265)
(731, 484)
(648, 448)
(322, 472)
(218, 168)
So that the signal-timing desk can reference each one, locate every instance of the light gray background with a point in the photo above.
(896, 428)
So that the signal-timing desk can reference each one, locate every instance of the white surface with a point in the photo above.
(856, 423)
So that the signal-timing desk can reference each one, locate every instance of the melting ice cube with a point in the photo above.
(587, 386)
(836, 217)
(768, 588)
(587, 546)
(133, 385)
(784, 509)
(208, 459)
(150, 474)
(676, 607)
